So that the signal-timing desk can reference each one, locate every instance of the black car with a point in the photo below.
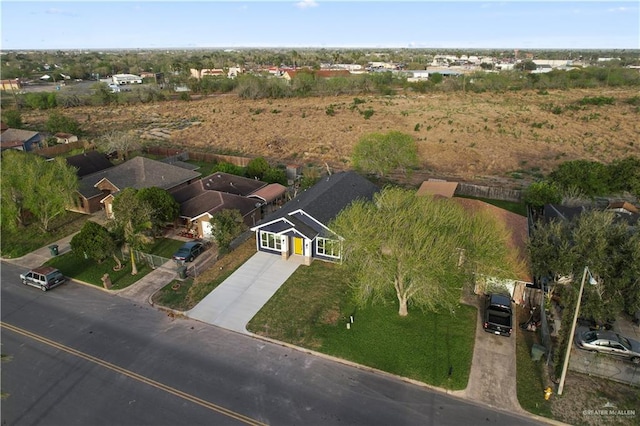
(188, 251)
(498, 314)
(43, 277)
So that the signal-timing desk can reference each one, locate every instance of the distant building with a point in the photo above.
(122, 79)
(10, 85)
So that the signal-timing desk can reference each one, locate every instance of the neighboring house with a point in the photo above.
(514, 224)
(123, 79)
(291, 74)
(437, 187)
(98, 190)
(89, 162)
(207, 72)
(516, 228)
(299, 228)
(22, 140)
(200, 200)
(10, 85)
(65, 138)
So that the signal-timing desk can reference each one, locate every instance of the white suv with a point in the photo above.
(43, 277)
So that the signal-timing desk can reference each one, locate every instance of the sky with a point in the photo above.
(320, 24)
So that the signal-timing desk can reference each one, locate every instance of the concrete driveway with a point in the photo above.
(239, 298)
(493, 368)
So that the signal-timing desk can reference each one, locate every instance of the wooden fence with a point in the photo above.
(490, 192)
(198, 156)
(53, 150)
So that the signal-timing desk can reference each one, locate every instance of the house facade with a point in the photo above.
(97, 190)
(202, 199)
(300, 227)
(22, 140)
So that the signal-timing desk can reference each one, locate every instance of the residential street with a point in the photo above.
(81, 356)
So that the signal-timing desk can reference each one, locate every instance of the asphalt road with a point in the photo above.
(78, 356)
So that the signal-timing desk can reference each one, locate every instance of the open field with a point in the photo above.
(515, 135)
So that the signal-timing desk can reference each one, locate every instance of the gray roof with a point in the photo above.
(232, 184)
(328, 197)
(16, 137)
(89, 162)
(138, 173)
(215, 201)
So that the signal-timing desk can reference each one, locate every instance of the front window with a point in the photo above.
(329, 248)
(270, 240)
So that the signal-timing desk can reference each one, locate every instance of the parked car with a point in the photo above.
(188, 251)
(608, 342)
(43, 277)
(498, 314)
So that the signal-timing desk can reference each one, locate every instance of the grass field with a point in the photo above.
(513, 136)
(314, 306)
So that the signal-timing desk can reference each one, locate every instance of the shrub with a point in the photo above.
(596, 100)
(367, 113)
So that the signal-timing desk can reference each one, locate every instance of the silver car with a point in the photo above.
(43, 277)
(609, 342)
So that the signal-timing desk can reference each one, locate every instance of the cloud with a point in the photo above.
(54, 11)
(306, 4)
(619, 9)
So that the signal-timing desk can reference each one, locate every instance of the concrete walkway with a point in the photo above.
(239, 298)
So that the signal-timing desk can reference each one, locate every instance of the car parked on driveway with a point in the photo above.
(498, 314)
(43, 277)
(608, 342)
(188, 251)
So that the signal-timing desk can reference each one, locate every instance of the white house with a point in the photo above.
(122, 79)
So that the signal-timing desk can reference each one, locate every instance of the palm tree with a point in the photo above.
(136, 237)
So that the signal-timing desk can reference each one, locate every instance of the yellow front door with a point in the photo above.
(297, 245)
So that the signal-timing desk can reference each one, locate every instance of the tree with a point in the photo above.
(257, 168)
(275, 175)
(436, 78)
(594, 239)
(540, 193)
(30, 183)
(55, 187)
(560, 250)
(132, 222)
(17, 179)
(227, 225)
(120, 142)
(419, 249)
(96, 242)
(60, 123)
(163, 206)
(382, 153)
(590, 177)
(12, 118)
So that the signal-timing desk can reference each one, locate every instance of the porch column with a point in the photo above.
(284, 244)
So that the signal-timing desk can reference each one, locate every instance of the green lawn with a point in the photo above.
(29, 238)
(87, 270)
(529, 375)
(312, 310)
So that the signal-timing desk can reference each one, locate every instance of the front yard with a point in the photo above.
(29, 238)
(314, 307)
(77, 267)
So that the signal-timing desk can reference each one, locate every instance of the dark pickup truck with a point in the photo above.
(498, 315)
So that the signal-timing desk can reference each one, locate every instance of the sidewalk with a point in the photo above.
(38, 257)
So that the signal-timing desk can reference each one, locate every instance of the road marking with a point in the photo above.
(135, 376)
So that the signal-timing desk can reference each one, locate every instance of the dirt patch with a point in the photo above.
(592, 401)
(467, 136)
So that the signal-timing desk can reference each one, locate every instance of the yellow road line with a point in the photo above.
(135, 376)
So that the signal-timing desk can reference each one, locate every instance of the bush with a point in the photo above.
(61, 123)
(596, 100)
